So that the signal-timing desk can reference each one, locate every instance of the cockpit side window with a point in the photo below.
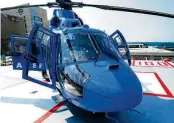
(106, 45)
(19, 44)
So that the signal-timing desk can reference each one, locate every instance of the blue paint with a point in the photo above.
(63, 19)
(41, 44)
(18, 61)
(81, 57)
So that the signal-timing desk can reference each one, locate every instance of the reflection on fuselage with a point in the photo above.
(74, 78)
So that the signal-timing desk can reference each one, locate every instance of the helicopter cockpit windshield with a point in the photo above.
(83, 46)
(77, 47)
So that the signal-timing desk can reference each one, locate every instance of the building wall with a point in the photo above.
(10, 25)
(24, 13)
(43, 14)
(31, 16)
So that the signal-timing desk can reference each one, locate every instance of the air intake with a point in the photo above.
(115, 66)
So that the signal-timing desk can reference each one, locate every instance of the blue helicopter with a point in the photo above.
(88, 67)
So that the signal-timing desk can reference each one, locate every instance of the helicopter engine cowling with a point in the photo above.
(64, 18)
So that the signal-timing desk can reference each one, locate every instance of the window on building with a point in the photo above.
(36, 18)
(32, 17)
(25, 25)
(40, 19)
(24, 19)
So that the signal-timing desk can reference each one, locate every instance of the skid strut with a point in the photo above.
(110, 118)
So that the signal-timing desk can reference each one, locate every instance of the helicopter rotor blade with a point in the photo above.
(118, 8)
(28, 6)
(67, 4)
(132, 10)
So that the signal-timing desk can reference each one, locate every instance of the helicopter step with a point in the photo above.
(58, 98)
(72, 88)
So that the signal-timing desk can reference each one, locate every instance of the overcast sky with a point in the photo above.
(135, 27)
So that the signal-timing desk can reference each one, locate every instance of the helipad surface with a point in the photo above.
(26, 102)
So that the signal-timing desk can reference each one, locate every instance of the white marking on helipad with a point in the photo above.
(20, 105)
(150, 83)
(144, 63)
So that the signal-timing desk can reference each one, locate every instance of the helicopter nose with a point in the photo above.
(109, 92)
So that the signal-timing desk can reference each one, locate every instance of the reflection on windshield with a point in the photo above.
(77, 47)
(19, 44)
(80, 47)
(106, 45)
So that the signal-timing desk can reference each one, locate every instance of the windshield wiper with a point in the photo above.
(98, 53)
(98, 56)
(95, 47)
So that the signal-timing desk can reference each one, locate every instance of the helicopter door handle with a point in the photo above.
(15, 54)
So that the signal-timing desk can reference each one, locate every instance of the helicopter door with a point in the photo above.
(41, 48)
(18, 46)
(121, 45)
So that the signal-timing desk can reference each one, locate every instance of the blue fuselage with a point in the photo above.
(106, 82)
(105, 90)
